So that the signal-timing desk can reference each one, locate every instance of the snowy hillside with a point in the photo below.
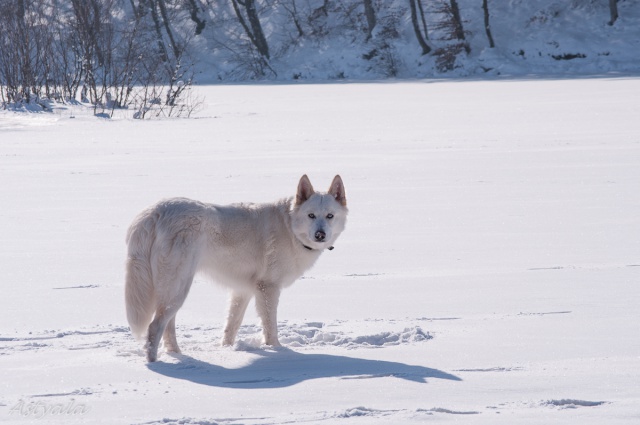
(488, 273)
(531, 37)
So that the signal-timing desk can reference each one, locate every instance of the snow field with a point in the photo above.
(488, 273)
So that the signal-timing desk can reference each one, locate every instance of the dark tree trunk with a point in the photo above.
(613, 8)
(424, 22)
(416, 28)
(370, 14)
(487, 26)
(167, 28)
(256, 27)
(459, 30)
(193, 12)
(88, 27)
(162, 50)
(26, 74)
(255, 33)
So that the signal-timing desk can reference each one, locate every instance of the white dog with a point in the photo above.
(254, 249)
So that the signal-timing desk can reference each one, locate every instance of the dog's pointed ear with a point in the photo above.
(305, 190)
(337, 191)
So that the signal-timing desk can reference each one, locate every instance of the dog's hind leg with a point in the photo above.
(165, 316)
(267, 299)
(237, 307)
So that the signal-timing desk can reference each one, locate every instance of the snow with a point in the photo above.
(488, 273)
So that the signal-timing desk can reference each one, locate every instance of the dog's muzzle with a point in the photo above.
(320, 236)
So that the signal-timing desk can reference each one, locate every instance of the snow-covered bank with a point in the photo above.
(488, 272)
(543, 37)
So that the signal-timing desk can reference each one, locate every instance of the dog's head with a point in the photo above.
(319, 218)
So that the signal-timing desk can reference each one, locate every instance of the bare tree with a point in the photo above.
(161, 24)
(613, 8)
(87, 24)
(416, 26)
(370, 14)
(194, 12)
(487, 26)
(167, 25)
(254, 28)
(26, 62)
(94, 49)
(10, 44)
(290, 7)
(424, 22)
(449, 26)
(457, 20)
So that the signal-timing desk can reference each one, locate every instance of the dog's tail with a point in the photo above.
(139, 291)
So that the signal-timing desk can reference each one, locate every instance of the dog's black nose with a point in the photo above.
(320, 235)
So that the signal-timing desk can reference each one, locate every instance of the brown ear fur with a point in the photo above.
(337, 190)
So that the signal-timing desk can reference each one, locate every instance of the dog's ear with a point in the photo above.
(305, 190)
(337, 190)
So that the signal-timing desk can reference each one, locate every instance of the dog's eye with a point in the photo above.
(312, 215)
(329, 216)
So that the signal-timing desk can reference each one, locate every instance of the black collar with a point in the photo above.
(311, 249)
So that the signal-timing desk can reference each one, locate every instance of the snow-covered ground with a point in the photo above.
(489, 272)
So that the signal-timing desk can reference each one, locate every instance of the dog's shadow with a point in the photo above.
(283, 368)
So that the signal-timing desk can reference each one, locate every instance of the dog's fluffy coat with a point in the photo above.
(254, 249)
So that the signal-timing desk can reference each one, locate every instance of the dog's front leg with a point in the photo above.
(237, 307)
(267, 306)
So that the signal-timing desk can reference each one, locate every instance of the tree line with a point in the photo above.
(141, 53)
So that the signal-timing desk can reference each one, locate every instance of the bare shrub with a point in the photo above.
(93, 51)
